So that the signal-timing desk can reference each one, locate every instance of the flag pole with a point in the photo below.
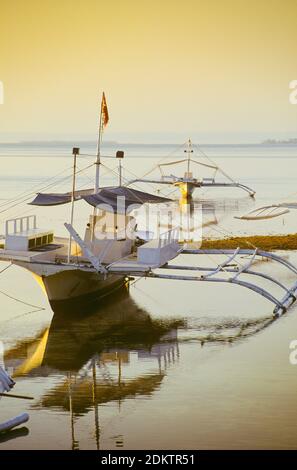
(102, 123)
(98, 152)
(97, 163)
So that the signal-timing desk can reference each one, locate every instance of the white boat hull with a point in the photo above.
(79, 286)
(73, 285)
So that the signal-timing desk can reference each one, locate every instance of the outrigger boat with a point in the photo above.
(268, 212)
(59, 264)
(64, 267)
(91, 274)
(188, 183)
(83, 269)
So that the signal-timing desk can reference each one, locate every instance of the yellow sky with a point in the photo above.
(167, 66)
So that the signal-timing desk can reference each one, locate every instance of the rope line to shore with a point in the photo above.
(37, 308)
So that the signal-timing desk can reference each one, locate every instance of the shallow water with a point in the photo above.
(166, 364)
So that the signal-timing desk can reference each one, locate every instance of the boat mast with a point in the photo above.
(75, 152)
(119, 156)
(189, 151)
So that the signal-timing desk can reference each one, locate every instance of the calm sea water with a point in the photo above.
(165, 364)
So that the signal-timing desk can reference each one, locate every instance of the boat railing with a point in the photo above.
(20, 224)
(171, 236)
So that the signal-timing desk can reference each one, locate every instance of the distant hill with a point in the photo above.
(277, 142)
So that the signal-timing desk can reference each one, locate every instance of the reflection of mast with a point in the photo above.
(119, 358)
(97, 429)
(75, 443)
(119, 369)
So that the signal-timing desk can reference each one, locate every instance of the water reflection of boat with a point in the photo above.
(90, 351)
(118, 325)
(115, 353)
(72, 339)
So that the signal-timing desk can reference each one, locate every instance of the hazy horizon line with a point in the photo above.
(110, 143)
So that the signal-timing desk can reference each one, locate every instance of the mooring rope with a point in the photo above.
(37, 308)
(22, 315)
(20, 300)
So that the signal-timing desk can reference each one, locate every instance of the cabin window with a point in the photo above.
(44, 240)
(38, 241)
(50, 238)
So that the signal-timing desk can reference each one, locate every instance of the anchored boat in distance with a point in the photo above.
(188, 183)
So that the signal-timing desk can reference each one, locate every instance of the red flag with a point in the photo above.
(104, 111)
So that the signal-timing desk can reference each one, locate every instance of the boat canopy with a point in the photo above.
(107, 196)
(56, 199)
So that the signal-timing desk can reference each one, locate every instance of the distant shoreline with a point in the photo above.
(89, 143)
(279, 142)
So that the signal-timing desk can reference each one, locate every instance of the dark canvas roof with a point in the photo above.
(107, 196)
(56, 199)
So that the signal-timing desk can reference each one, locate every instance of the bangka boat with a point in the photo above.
(71, 271)
(188, 183)
(64, 268)
(93, 266)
